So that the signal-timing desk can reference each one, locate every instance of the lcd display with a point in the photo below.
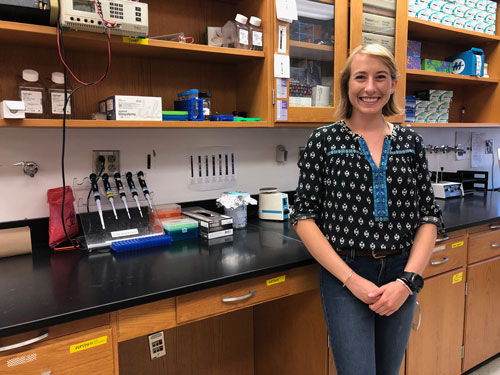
(84, 5)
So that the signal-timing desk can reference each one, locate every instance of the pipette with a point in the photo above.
(133, 190)
(121, 191)
(109, 192)
(145, 191)
(97, 197)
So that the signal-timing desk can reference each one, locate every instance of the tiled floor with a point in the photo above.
(490, 368)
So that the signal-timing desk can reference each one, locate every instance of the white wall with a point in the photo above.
(25, 197)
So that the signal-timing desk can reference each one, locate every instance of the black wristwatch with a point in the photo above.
(414, 281)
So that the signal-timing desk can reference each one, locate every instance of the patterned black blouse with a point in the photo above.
(357, 205)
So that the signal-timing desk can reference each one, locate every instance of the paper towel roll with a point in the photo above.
(15, 241)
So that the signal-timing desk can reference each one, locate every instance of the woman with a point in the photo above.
(365, 210)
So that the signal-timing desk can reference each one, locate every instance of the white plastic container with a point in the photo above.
(56, 97)
(32, 93)
(235, 33)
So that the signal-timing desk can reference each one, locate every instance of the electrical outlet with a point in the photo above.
(157, 345)
(489, 146)
(111, 161)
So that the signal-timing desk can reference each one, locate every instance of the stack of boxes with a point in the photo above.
(471, 15)
(432, 106)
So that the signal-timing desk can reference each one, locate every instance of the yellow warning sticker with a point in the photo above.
(458, 277)
(134, 40)
(276, 280)
(88, 344)
(457, 244)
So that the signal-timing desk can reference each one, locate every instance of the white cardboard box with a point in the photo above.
(296, 101)
(320, 96)
(134, 108)
(12, 109)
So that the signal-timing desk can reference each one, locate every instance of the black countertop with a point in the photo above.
(42, 290)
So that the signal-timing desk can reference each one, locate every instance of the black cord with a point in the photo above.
(66, 101)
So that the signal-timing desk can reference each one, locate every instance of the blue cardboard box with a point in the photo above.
(468, 63)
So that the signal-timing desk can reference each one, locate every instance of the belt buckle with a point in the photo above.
(375, 256)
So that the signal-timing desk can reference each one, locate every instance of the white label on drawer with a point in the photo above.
(276, 280)
(439, 248)
(457, 244)
(122, 233)
(88, 344)
(458, 277)
(21, 360)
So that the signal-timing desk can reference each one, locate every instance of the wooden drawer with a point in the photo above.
(231, 297)
(89, 352)
(145, 319)
(447, 255)
(57, 331)
(484, 227)
(484, 245)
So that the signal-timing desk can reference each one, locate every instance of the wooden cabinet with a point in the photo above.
(447, 255)
(237, 79)
(482, 326)
(89, 352)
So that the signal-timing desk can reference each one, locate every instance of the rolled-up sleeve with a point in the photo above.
(430, 212)
(308, 196)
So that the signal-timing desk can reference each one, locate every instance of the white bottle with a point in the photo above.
(235, 33)
(255, 32)
(56, 97)
(32, 93)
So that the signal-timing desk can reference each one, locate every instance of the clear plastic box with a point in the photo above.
(180, 228)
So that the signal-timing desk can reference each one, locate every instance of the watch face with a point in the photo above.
(417, 280)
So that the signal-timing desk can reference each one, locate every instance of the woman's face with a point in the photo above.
(370, 85)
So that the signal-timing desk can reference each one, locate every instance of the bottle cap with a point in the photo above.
(30, 75)
(241, 18)
(58, 77)
(256, 21)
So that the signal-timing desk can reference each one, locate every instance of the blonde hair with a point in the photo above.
(344, 106)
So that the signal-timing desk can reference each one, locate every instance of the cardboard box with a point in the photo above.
(413, 62)
(413, 48)
(384, 40)
(133, 108)
(468, 63)
(12, 109)
(210, 224)
(300, 90)
(320, 96)
(373, 23)
(296, 101)
(436, 65)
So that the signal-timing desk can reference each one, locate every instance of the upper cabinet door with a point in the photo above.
(383, 22)
(317, 46)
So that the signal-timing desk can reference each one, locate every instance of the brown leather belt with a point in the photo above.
(376, 254)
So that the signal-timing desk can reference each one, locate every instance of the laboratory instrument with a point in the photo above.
(109, 192)
(273, 205)
(133, 190)
(121, 191)
(97, 196)
(123, 17)
(445, 189)
(144, 187)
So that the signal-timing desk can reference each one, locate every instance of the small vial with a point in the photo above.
(32, 93)
(206, 105)
(235, 33)
(56, 97)
(255, 33)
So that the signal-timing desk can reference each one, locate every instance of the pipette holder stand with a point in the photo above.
(115, 229)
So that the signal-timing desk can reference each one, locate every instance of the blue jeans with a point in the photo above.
(363, 342)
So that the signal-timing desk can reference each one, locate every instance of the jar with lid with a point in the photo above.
(32, 93)
(56, 97)
(235, 33)
(255, 33)
(206, 105)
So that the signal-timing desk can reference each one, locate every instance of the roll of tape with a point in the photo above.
(15, 241)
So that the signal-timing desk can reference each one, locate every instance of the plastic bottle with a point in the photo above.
(235, 33)
(32, 93)
(56, 97)
(255, 33)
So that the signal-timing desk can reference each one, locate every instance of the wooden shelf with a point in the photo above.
(47, 123)
(311, 51)
(436, 77)
(450, 125)
(45, 36)
(434, 32)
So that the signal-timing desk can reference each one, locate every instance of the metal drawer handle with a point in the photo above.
(494, 245)
(416, 327)
(24, 343)
(495, 226)
(445, 259)
(445, 238)
(239, 298)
